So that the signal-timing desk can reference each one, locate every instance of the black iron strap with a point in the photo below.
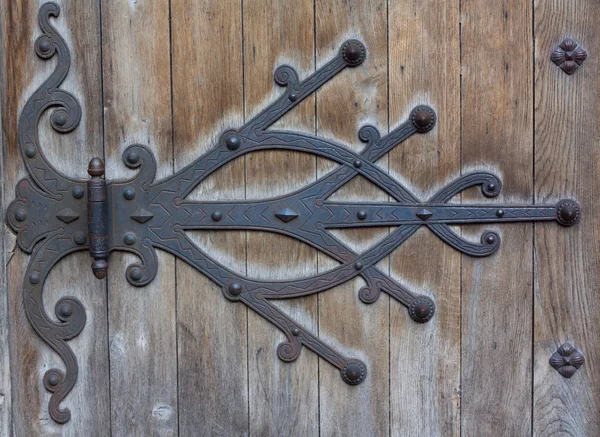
(142, 214)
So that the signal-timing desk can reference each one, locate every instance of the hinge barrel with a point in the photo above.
(98, 218)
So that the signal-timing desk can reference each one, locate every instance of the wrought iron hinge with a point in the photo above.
(142, 214)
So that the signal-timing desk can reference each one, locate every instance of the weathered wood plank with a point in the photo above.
(567, 262)
(425, 69)
(497, 134)
(212, 334)
(355, 97)
(283, 397)
(142, 322)
(79, 24)
(7, 241)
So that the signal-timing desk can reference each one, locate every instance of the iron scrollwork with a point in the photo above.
(55, 215)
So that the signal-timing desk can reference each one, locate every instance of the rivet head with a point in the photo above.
(358, 265)
(423, 118)
(357, 163)
(136, 274)
(567, 212)
(30, 152)
(53, 379)
(422, 309)
(79, 237)
(293, 97)
(78, 192)
(65, 309)
(490, 238)
(235, 288)
(362, 214)
(295, 331)
(232, 141)
(129, 193)
(354, 372)
(34, 278)
(129, 238)
(20, 215)
(354, 52)
(60, 118)
(491, 187)
(132, 157)
(44, 46)
(500, 213)
(216, 216)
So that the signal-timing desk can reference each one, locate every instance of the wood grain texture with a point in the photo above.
(567, 262)
(283, 397)
(30, 357)
(356, 97)
(497, 134)
(424, 68)
(212, 331)
(6, 243)
(142, 321)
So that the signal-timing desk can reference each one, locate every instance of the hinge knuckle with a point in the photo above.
(98, 218)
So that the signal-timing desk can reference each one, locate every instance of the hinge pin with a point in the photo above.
(98, 218)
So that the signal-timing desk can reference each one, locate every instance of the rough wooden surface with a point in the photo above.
(424, 65)
(211, 331)
(176, 358)
(354, 98)
(137, 109)
(283, 397)
(567, 264)
(30, 357)
(5, 386)
(497, 130)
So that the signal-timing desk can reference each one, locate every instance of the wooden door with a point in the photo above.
(177, 358)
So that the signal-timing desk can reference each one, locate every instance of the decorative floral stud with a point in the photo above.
(568, 56)
(566, 360)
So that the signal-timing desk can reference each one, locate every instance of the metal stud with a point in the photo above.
(79, 238)
(65, 309)
(60, 118)
(78, 192)
(30, 152)
(129, 238)
(34, 278)
(136, 274)
(129, 193)
(354, 52)
(53, 379)
(44, 46)
(132, 157)
(20, 215)
(232, 140)
(235, 288)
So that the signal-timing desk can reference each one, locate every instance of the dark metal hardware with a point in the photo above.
(566, 360)
(141, 214)
(568, 56)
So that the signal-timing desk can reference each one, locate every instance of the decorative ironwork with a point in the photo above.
(568, 56)
(566, 360)
(55, 215)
